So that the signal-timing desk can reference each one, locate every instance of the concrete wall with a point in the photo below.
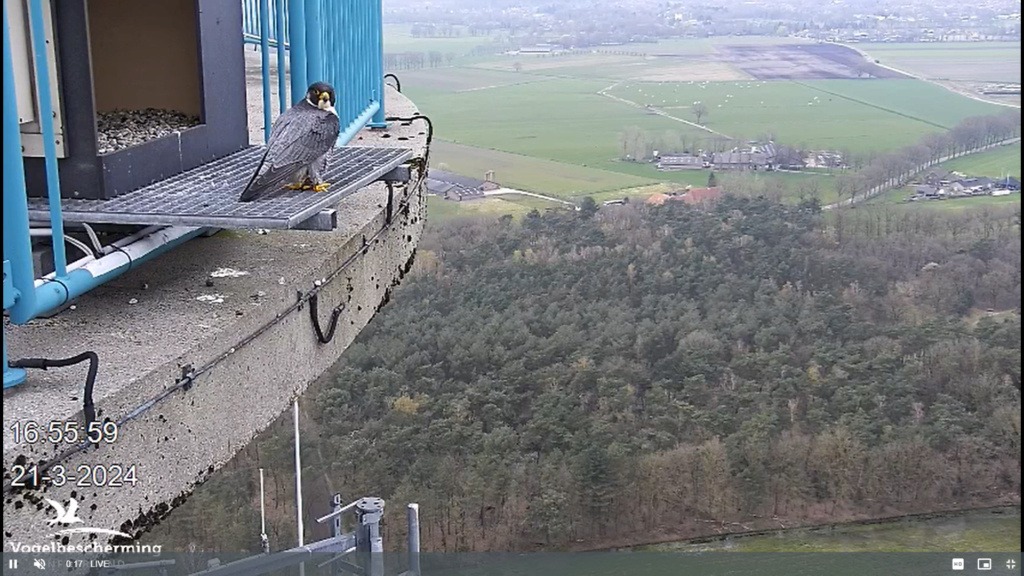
(182, 310)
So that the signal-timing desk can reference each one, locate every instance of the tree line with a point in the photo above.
(416, 60)
(859, 174)
(898, 166)
(600, 377)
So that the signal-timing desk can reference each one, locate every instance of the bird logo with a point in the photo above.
(65, 517)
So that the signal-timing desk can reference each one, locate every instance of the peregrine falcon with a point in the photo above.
(299, 145)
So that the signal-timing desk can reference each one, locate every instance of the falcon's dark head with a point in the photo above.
(321, 95)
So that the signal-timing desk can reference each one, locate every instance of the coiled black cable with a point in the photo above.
(88, 407)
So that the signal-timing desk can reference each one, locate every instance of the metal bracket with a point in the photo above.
(323, 221)
(401, 174)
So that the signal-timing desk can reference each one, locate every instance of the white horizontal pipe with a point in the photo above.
(134, 247)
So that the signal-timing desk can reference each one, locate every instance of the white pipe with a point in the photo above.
(298, 475)
(123, 243)
(263, 507)
(264, 541)
(134, 247)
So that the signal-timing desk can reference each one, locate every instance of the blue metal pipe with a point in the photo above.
(53, 294)
(377, 46)
(314, 46)
(297, 49)
(12, 376)
(17, 242)
(265, 66)
(46, 114)
(282, 81)
(356, 125)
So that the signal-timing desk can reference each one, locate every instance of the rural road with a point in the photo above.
(894, 183)
(604, 92)
(503, 191)
(965, 93)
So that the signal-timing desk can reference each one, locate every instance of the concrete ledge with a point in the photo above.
(178, 311)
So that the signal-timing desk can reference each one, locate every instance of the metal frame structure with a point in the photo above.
(338, 42)
(365, 541)
(341, 43)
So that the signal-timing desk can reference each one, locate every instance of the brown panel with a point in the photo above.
(145, 54)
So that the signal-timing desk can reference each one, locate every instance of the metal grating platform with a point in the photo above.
(207, 196)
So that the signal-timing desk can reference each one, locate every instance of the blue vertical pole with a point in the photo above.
(17, 243)
(12, 376)
(265, 66)
(377, 66)
(314, 45)
(297, 48)
(46, 114)
(282, 82)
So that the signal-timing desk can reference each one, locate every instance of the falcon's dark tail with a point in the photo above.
(252, 191)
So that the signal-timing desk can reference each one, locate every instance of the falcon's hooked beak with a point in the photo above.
(324, 103)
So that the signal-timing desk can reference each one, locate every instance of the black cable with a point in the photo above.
(425, 161)
(315, 317)
(88, 407)
(398, 83)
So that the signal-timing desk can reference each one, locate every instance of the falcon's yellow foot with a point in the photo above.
(321, 187)
(296, 187)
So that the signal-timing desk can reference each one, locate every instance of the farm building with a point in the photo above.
(669, 163)
(457, 187)
(741, 161)
(938, 178)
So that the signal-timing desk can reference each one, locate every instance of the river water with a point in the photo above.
(909, 547)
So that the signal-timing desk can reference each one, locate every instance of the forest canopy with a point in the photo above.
(606, 376)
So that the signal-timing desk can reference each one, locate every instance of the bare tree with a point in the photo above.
(700, 111)
(518, 66)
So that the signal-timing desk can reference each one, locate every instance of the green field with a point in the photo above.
(440, 210)
(962, 61)
(572, 123)
(897, 199)
(530, 173)
(547, 129)
(397, 38)
(1002, 161)
(561, 120)
(856, 115)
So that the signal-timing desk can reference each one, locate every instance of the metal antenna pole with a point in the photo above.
(264, 541)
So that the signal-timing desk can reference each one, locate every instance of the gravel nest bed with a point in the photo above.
(121, 129)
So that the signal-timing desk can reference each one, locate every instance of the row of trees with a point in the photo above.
(416, 60)
(897, 167)
(868, 172)
(637, 144)
(606, 376)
